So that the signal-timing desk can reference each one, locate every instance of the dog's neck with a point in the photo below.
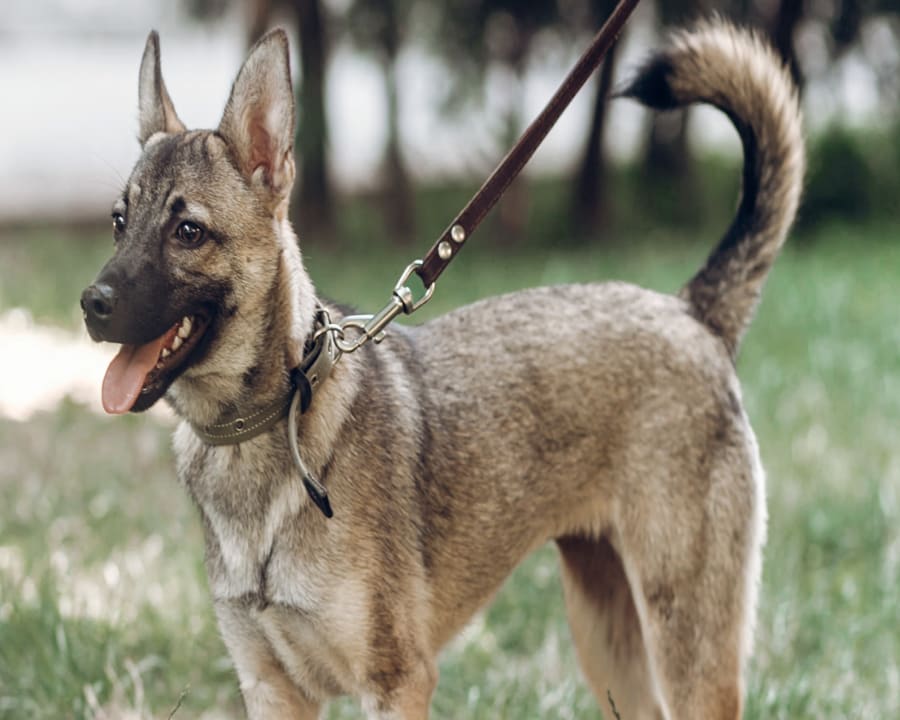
(272, 337)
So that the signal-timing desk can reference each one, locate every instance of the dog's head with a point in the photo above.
(193, 228)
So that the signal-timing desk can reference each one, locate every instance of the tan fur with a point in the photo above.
(725, 292)
(605, 417)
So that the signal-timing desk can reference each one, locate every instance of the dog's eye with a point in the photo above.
(118, 223)
(190, 234)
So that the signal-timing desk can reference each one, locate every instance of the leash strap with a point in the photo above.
(316, 491)
(453, 238)
(316, 366)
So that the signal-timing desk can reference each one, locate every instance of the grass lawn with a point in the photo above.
(104, 610)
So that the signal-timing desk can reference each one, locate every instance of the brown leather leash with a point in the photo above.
(451, 241)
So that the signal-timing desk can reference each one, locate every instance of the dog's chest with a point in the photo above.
(264, 563)
(246, 554)
(312, 616)
(249, 497)
(324, 647)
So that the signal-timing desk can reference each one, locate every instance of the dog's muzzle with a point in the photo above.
(130, 301)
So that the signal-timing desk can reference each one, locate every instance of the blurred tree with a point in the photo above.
(312, 204)
(845, 20)
(206, 9)
(782, 30)
(667, 168)
(481, 40)
(591, 205)
(477, 36)
(259, 18)
(313, 201)
(378, 27)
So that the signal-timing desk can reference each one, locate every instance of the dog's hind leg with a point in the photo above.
(693, 571)
(692, 629)
(606, 629)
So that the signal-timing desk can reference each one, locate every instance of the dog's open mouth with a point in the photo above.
(139, 374)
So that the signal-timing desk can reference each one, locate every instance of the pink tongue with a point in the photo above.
(126, 374)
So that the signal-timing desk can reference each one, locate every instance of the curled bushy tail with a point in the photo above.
(737, 72)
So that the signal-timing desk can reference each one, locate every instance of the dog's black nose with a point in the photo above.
(98, 302)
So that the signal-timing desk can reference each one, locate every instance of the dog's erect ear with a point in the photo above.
(156, 112)
(259, 119)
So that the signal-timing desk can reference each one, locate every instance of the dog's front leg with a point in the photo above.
(268, 692)
(409, 700)
(274, 697)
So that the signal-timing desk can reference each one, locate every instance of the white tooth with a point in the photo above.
(176, 343)
(185, 328)
(165, 353)
(159, 365)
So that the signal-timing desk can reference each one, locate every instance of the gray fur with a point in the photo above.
(454, 449)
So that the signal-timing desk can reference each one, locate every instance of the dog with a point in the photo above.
(605, 418)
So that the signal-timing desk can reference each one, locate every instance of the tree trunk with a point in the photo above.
(846, 26)
(666, 159)
(591, 206)
(397, 197)
(259, 14)
(668, 174)
(667, 148)
(789, 14)
(513, 208)
(313, 203)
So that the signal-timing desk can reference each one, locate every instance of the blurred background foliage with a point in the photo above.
(854, 169)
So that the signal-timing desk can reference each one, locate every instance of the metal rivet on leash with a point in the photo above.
(458, 234)
(239, 424)
(444, 250)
